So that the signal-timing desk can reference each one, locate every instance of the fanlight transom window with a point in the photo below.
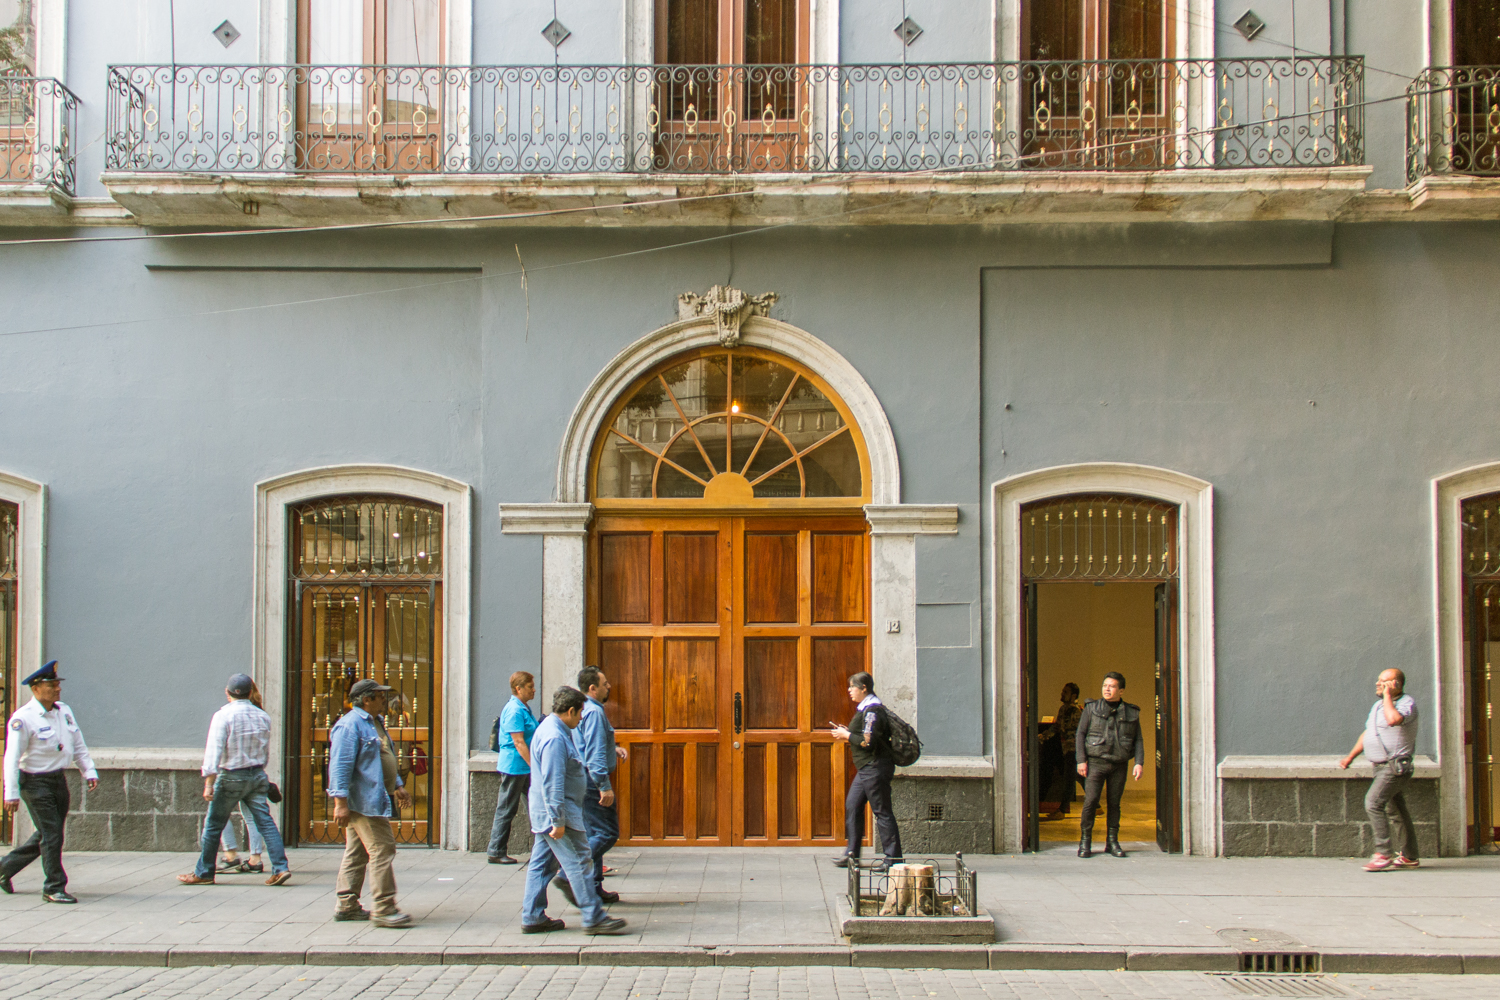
(729, 425)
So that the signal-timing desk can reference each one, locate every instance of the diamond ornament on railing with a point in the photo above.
(556, 33)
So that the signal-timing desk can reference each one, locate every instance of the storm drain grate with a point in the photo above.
(1282, 986)
(1294, 962)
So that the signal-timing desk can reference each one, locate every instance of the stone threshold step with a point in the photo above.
(1014, 957)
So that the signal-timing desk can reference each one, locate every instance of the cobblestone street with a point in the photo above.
(554, 983)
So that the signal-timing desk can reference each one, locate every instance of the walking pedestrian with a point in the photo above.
(869, 737)
(1109, 736)
(556, 803)
(234, 773)
(596, 743)
(362, 781)
(231, 863)
(40, 740)
(1389, 743)
(517, 726)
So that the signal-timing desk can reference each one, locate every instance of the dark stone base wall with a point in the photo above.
(484, 791)
(1317, 817)
(966, 806)
(967, 822)
(137, 811)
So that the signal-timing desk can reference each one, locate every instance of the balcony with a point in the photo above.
(1453, 141)
(38, 122)
(1239, 138)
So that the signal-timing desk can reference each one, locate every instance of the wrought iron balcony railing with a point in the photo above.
(38, 120)
(1103, 115)
(1453, 122)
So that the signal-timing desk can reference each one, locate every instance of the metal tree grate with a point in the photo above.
(1282, 986)
(950, 889)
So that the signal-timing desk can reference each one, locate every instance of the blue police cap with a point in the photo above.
(47, 673)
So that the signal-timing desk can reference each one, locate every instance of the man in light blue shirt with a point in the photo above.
(596, 742)
(556, 813)
(514, 735)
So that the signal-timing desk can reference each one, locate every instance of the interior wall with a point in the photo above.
(1086, 630)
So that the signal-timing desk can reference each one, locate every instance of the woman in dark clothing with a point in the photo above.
(1064, 729)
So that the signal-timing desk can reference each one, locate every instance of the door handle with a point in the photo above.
(739, 713)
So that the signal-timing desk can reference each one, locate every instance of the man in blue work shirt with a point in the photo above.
(555, 803)
(596, 743)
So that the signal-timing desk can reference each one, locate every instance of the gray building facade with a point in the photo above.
(1099, 336)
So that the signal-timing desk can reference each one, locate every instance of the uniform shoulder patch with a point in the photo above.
(15, 725)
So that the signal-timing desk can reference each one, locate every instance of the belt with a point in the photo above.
(43, 774)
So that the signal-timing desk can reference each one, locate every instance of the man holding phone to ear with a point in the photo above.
(1389, 742)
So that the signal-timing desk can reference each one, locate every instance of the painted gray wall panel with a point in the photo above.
(1390, 35)
(510, 33)
(1319, 402)
(952, 31)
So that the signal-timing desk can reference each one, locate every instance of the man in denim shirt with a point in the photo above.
(596, 743)
(361, 777)
(556, 808)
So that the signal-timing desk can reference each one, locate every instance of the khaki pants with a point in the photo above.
(368, 843)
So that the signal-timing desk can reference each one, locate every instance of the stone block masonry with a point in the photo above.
(137, 810)
(1316, 817)
(484, 791)
(944, 815)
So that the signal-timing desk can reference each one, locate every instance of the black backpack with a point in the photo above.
(495, 736)
(906, 745)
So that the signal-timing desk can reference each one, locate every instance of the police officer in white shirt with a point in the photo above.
(40, 740)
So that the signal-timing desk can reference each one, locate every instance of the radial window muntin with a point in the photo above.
(703, 444)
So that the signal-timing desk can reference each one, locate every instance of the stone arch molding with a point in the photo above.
(1448, 494)
(1194, 497)
(756, 331)
(272, 497)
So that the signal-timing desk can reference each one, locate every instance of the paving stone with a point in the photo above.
(773, 955)
(543, 955)
(373, 955)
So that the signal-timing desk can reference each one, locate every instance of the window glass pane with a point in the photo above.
(700, 385)
(1137, 30)
(413, 29)
(770, 32)
(686, 454)
(808, 416)
(335, 32)
(1055, 30)
(692, 32)
(18, 37)
(832, 469)
(624, 469)
(759, 384)
(672, 484)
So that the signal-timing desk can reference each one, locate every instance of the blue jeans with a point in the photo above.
(252, 833)
(571, 854)
(248, 785)
(603, 825)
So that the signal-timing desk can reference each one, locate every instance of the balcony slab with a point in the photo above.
(29, 204)
(609, 200)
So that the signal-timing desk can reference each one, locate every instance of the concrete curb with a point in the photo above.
(999, 957)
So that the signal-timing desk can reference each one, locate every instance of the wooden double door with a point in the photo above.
(729, 641)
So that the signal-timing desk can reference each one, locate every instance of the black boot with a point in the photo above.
(1112, 844)
(1086, 845)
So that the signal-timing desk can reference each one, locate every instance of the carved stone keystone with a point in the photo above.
(729, 307)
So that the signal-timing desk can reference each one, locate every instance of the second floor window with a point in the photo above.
(1476, 32)
(732, 32)
(364, 32)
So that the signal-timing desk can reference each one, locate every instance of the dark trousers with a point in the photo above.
(872, 784)
(1389, 790)
(1103, 774)
(47, 800)
(513, 789)
(602, 824)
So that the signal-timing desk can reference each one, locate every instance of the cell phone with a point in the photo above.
(832, 724)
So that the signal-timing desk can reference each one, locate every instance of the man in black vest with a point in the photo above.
(1109, 735)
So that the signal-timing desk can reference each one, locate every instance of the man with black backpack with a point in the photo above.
(869, 738)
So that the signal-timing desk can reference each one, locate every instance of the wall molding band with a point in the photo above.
(1310, 766)
(1201, 819)
(268, 657)
(546, 518)
(1448, 494)
(912, 518)
(949, 767)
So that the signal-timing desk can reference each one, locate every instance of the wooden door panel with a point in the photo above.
(691, 578)
(627, 664)
(770, 577)
(691, 669)
(770, 683)
(708, 788)
(833, 660)
(787, 791)
(822, 786)
(625, 578)
(838, 577)
(753, 795)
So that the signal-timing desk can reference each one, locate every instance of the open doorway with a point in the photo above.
(1100, 595)
(1479, 546)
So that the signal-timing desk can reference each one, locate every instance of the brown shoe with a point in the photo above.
(280, 878)
(192, 879)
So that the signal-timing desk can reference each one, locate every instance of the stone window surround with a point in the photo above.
(563, 524)
(31, 557)
(1448, 494)
(1194, 497)
(272, 497)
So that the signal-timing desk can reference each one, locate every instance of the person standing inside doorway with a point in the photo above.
(1389, 742)
(41, 739)
(869, 737)
(559, 844)
(1109, 735)
(234, 774)
(517, 727)
(362, 781)
(1064, 730)
(596, 744)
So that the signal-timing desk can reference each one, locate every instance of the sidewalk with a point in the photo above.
(776, 907)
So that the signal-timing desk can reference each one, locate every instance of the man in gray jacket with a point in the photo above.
(1109, 735)
(556, 806)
